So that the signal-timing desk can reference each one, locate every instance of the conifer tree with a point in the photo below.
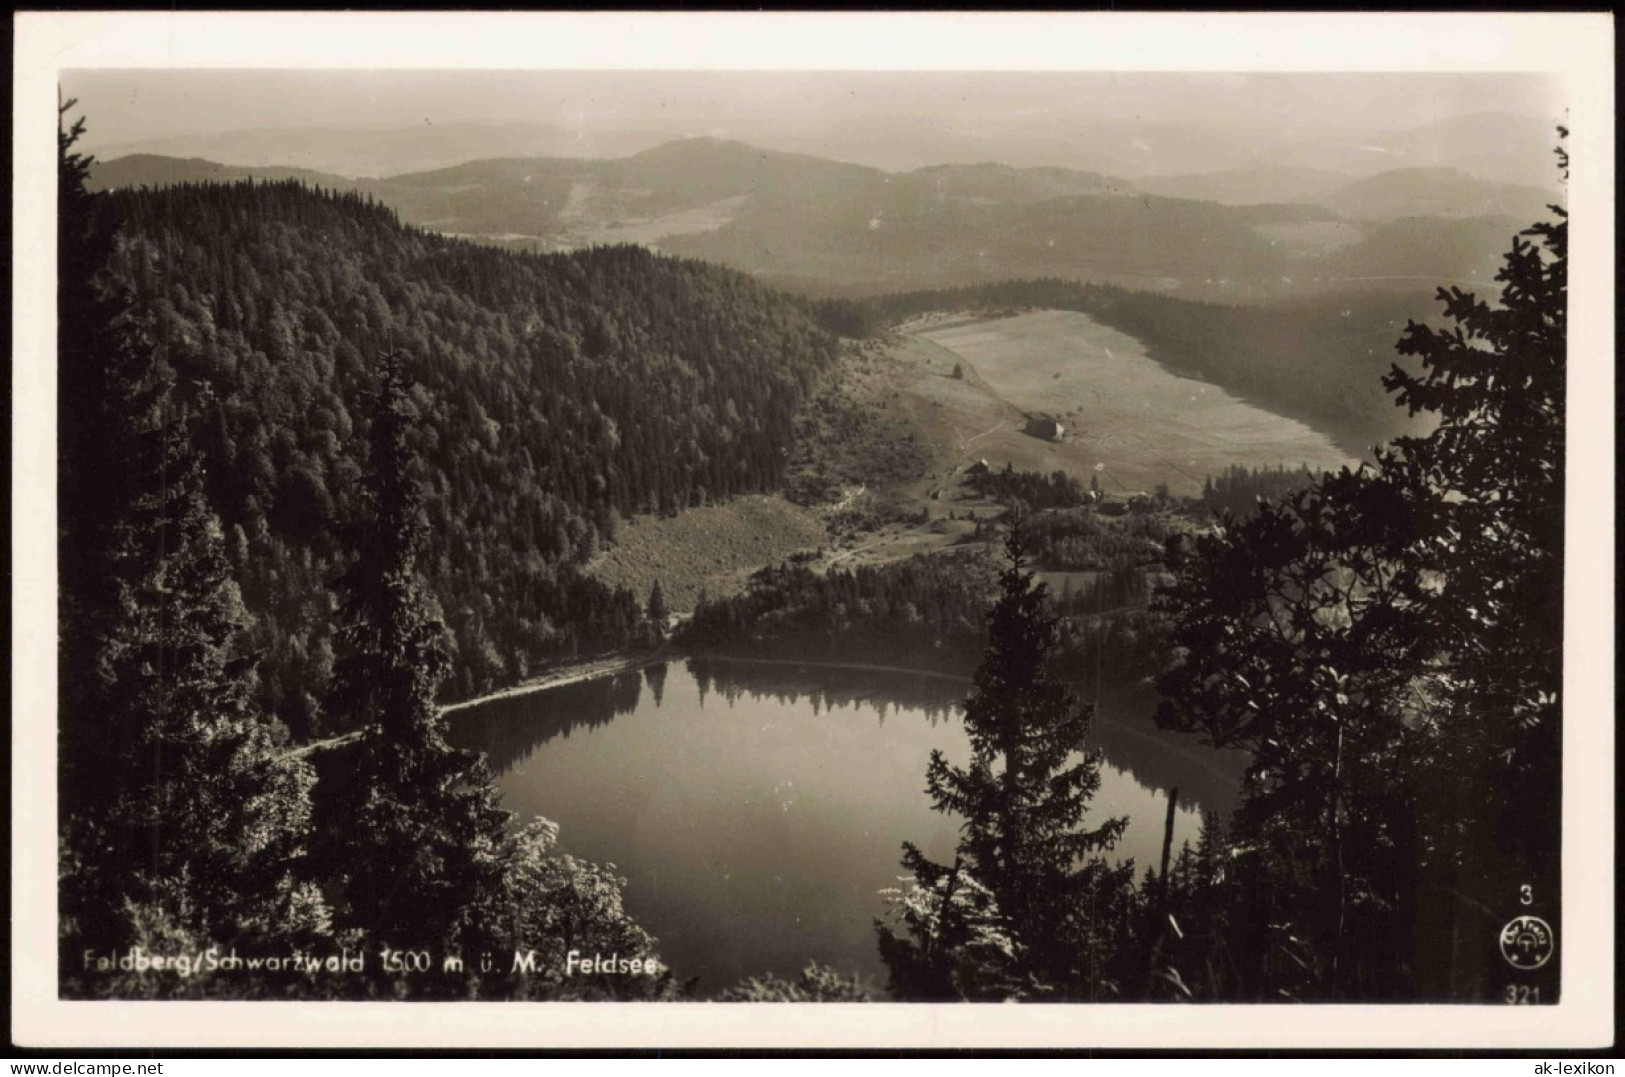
(1387, 645)
(1023, 797)
(424, 832)
(106, 395)
(1496, 382)
(179, 814)
(658, 612)
(204, 801)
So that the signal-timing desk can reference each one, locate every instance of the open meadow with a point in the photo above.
(1125, 418)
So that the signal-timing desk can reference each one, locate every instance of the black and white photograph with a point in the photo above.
(707, 535)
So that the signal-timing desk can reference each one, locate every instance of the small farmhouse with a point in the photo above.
(1042, 426)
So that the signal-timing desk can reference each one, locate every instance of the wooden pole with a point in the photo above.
(1168, 841)
(1157, 930)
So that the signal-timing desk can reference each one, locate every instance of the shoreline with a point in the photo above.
(606, 667)
(563, 675)
(554, 678)
(1117, 725)
(611, 666)
(817, 664)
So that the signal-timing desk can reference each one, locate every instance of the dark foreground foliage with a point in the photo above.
(1029, 908)
(1387, 644)
(1237, 491)
(180, 819)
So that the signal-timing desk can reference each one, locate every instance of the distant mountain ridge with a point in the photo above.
(829, 227)
(358, 152)
(483, 197)
(1437, 192)
(1497, 147)
(1248, 186)
(153, 170)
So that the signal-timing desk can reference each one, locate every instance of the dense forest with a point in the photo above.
(1057, 490)
(923, 613)
(1082, 540)
(929, 613)
(1236, 491)
(553, 394)
(1239, 490)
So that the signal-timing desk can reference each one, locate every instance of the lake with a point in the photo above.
(758, 810)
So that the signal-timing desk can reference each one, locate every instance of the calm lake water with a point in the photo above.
(758, 810)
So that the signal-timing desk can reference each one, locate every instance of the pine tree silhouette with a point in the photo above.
(424, 832)
(1023, 796)
(179, 812)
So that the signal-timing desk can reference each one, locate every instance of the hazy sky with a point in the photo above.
(135, 106)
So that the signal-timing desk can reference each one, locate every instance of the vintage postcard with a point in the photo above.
(770, 530)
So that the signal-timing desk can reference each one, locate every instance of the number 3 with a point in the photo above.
(1526, 894)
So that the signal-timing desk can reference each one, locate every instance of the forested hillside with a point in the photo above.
(831, 228)
(555, 394)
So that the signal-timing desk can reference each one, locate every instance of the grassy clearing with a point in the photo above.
(1127, 419)
(878, 469)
